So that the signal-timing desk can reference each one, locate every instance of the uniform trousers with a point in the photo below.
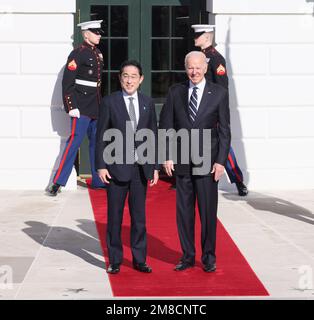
(232, 168)
(79, 128)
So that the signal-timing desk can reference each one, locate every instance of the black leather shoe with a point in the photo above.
(142, 267)
(242, 189)
(54, 189)
(209, 267)
(182, 266)
(113, 268)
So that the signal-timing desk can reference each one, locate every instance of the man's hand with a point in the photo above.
(104, 175)
(155, 179)
(74, 113)
(169, 167)
(218, 170)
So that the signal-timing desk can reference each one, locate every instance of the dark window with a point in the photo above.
(160, 21)
(160, 54)
(170, 43)
(119, 52)
(114, 42)
(119, 21)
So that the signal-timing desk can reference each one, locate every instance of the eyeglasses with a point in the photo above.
(125, 76)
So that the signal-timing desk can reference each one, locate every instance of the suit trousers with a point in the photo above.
(117, 192)
(204, 190)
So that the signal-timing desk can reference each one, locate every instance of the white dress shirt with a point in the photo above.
(200, 91)
(135, 102)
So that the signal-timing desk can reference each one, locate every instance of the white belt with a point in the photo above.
(86, 83)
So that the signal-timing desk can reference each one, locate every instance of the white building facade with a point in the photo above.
(35, 40)
(269, 48)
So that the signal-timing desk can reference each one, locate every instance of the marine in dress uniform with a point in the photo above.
(81, 93)
(217, 73)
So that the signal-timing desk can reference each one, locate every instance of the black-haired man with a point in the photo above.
(117, 111)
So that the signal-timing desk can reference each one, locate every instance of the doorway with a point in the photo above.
(157, 33)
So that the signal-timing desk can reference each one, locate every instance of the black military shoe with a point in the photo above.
(209, 267)
(54, 189)
(242, 189)
(142, 267)
(113, 268)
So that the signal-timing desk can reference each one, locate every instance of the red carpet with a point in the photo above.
(233, 277)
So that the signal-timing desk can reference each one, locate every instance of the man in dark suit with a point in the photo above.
(197, 104)
(118, 111)
(217, 73)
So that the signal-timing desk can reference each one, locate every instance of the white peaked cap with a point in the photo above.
(94, 24)
(203, 28)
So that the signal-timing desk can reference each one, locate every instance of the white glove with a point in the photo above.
(74, 113)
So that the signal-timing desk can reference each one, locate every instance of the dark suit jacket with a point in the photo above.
(213, 113)
(114, 114)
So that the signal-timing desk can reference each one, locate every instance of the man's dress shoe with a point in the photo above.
(183, 265)
(54, 189)
(142, 267)
(113, 268)
(209, 267)
(242, 189)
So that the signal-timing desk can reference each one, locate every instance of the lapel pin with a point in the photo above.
(209, 92)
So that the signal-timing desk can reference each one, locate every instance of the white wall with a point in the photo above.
(35, 40)
(269, 46)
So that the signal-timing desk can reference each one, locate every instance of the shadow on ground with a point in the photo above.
(276, 205)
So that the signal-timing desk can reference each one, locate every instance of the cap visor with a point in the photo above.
(198, 34)
(96, 30)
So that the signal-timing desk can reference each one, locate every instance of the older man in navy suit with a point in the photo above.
(125, 177)
(202, 105)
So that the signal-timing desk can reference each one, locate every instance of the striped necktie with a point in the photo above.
(193, 105)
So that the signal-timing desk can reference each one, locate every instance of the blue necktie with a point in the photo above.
(193, 105)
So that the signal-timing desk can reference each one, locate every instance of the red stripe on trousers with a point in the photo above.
(66, 151)
(234, 168)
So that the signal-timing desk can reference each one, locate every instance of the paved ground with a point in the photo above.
(50, 247)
